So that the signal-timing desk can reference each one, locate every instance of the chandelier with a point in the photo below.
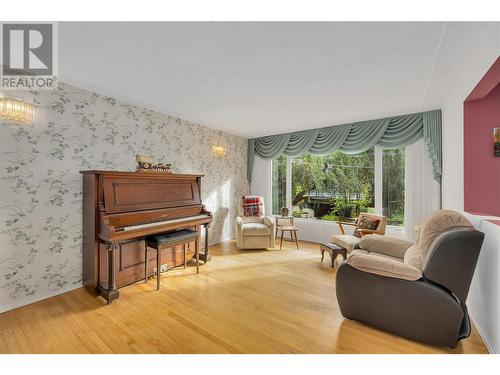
(14, 110)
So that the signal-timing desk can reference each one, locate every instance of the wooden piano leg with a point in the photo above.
(185, 255)
(197, 250)
(158, 271)
(110, 293)
(145, 262)
(206, 256)
(206, 244)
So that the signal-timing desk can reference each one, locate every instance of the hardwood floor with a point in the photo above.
(241, 302)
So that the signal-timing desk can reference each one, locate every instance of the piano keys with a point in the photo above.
(120, 209)
(172, 221)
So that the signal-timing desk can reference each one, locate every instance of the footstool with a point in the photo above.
(333, 250)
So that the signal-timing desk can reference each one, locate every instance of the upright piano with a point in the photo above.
(120, 209)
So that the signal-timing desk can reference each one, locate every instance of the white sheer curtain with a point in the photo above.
(422, 192)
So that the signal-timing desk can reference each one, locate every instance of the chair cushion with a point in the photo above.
(413, 257)
(287, 228)
(180, 235)
(347, 241)
(252, 219)
(383, 265)
(364, 252)
(388, 245)
(366, 222)
(428, 230)
(255, 229)
(381, 225)
(435, 224)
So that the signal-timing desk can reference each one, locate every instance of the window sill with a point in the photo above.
(391, 228)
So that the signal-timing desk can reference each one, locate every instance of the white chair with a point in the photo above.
(255, 232)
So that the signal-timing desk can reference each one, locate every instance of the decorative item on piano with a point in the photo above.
(145, 164)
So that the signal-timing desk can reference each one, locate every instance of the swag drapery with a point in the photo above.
(392, 132)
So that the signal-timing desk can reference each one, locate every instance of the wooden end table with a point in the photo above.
(288, 227)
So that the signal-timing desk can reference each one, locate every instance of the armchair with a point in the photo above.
(349, 241)
(255, 232)
(419, 290)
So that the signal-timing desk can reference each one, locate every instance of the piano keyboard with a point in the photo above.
(163, 222)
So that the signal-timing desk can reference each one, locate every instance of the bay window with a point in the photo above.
(340, 186)
(393, 186)
(278, 184)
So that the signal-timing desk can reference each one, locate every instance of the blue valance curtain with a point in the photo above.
(354, 138)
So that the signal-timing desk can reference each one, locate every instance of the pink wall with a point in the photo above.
(481, 167)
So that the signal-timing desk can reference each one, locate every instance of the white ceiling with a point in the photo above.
(262, 78)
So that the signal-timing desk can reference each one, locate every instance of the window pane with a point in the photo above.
(279, 184)
(333, 186)
(393, 185)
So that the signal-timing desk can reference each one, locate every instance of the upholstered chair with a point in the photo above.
(349, 241)
(415, 290)
(255, 232)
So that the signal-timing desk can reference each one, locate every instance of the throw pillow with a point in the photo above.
(366, 223)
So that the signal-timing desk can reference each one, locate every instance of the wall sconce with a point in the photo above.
(14, 110)
(218, 150)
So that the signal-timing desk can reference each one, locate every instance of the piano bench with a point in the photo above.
(168, 240)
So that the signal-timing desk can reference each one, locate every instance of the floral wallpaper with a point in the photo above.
(41, 194)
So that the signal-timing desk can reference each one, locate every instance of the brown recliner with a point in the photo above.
(419, 290)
